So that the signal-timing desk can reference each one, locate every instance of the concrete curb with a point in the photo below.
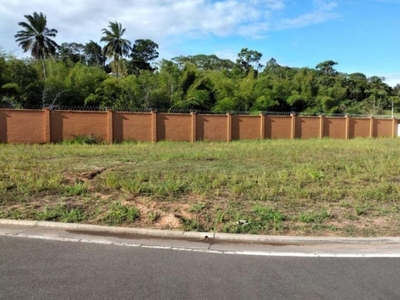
(221, 237)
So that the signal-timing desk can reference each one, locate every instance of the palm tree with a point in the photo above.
(36, 36)
(116, 46)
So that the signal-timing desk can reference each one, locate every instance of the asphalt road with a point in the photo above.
(42, 269)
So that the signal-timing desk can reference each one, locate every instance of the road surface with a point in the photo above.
(47, 269)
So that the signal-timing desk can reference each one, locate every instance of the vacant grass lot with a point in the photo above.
(300, 187)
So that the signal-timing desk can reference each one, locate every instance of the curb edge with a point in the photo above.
(223, 237)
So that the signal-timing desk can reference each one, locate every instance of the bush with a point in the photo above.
(82, 139)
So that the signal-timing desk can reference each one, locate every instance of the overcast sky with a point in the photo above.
(361, 35)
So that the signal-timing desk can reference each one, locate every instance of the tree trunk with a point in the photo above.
(44, 70)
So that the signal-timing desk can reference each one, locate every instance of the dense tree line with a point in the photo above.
(127, 75)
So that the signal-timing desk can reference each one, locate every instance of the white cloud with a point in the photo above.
(323, 11)
(392, 79)
(389, 1)
(164, 21)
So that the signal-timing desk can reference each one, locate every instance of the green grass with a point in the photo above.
(78, 188)
(60, 214)
(308, 187)
(119, 214)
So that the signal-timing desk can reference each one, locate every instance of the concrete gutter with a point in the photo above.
(204, 236)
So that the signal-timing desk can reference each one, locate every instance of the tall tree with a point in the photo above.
(116, 46)
(327, 74)
(326, 68)
(205, 62)
(93, 54)
(396, 90)
(357, 84)
(169, 76)
(271, 66)
(378, 91)
(249, 59)
(71, 52)
(144, 52)
(36, 37)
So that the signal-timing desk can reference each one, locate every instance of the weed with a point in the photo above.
(316, 175)
(60, 214)
(90, 139)
(47, 214)
(192, 225)
(270, 216)
(197, 208)
(112, 181)
(12, 214)
(361, 210)
(78, 188)
(72, 215)
(153, 216)
(314, 217)
(119, 214)
(345, 204)
(260, 219)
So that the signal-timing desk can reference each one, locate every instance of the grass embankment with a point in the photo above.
(300, 187)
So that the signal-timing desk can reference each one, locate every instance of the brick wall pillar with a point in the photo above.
(193, 137)
(262, 126)
(110, 126)
(293, 125)
(371, 126)
(228, 127)
(154, 126)
(348, 120)
(321, 126)
(47, 124)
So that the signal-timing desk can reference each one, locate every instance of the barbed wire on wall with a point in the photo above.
(6, 105)
(135, 110)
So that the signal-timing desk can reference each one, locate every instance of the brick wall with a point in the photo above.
(43, 126)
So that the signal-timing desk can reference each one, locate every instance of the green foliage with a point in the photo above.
(115, 92)
(94, 55)
(21, 82)
(10, 101)
(248, 60)
(70, 86)
(76, 75)
(144, 52)
(205, 62)
(71, 53)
